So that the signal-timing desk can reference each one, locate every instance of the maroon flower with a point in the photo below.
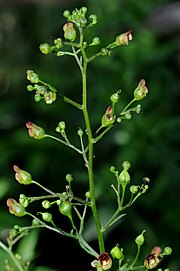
(141, 90)
(105, 261)
(152, 259)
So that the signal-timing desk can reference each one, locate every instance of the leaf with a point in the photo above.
(26, 246)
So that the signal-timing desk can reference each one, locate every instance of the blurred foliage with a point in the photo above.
(150, 141)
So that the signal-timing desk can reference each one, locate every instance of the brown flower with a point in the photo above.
(105, 261)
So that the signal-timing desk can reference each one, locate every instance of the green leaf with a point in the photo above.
(26, 246)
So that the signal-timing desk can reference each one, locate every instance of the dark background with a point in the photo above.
(150, 141)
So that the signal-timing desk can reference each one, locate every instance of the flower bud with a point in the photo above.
(65, 208)
(46, 204)
(95, 41)
(93, 19)
(80, 132)
(66, 14)
(108, 118)
(105, 261)
(116, 253)
(37, 97)
(59, 43)
(167, 251)
(69, 178)
(47, 217)
(88, 195)
(13, 233)
(49, 97)
(115, 97)
(140, 239)
(22, 176)
(45, 48)
(30, 88)
(35, 131)
(141, 90)
(15, 208)
(23, 200)
(124, 177)
(32, 77)
(134, 189)
(61, 127)
(69, 31)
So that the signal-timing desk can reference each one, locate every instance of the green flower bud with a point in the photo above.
(141, 90)
(69, 178)
(108, 118)
(116, 253)
(15, 208)
(80, 132)
(124, 177)
(49, 97)
(46, 204)
(127, 116)
(126, 165)
(105, 52)
(69, 31)
(35, 131)
(140, 239)
(23, 200)
(88, 195)
(84, 10)
(134, 189)
(95, 41)
(93, 19)
(32, 77)
(61, 127)
(37, 98)
(13, 233)
(167, 251)
(66, 14)
(66, 208)
(35, 222)
(59, 43)
(45, 48)
(119, 120)
(46, 217)
(30, 88)
(112, 169)
(115, 97)
(22, 176)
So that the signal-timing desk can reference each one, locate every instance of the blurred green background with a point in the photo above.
(150, 141)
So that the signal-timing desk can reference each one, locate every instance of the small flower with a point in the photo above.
(108, 118)
(35, 131)
(15, 208)
(23, 177)
(105, 261)
(49, 97)
(152, 260)
(32, 76)
(124, 38)
(141, 90)
(69, 31)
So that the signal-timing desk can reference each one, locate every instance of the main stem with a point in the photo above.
(90, 153)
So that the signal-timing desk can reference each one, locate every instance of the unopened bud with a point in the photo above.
(15, 208)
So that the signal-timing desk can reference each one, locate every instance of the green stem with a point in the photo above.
(137, 255)
(65, 143)
(9, 252)
(90, 145)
